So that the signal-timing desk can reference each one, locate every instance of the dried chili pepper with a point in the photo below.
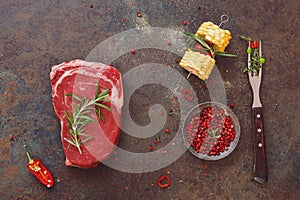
(164, 181)
(36, 167)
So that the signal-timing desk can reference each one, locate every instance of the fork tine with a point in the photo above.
(260, 55)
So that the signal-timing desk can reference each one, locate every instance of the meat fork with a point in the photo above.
(260, 173)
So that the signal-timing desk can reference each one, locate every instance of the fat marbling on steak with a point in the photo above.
(82, 78)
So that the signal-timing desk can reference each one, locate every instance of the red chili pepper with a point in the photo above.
(188, 95)
(164, 181)
(254, 44)
(36, 167)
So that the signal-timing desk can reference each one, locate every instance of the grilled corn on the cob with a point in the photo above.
(214, 35)
(198, 64)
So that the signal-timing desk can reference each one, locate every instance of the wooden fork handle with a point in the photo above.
(260, 173)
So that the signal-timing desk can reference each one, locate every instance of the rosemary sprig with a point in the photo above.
(207, 48)
(246, 38)
(213, 133)
(78, 119)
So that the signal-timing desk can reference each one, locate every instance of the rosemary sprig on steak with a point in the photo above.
(79, 118)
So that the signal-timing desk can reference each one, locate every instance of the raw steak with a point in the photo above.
(82, 78)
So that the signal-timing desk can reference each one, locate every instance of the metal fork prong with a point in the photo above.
(260, 55)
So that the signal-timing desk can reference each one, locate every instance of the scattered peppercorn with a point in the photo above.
(232, 105)
(184, 23)
(139, 14)
(132, 51)
(150, 148)
(167, 130)
(11, 138)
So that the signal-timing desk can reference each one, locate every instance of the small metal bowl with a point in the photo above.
(196, 111)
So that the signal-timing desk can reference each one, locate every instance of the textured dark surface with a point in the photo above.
(34, 35)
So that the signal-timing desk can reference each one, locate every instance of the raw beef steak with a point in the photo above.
(82, 79)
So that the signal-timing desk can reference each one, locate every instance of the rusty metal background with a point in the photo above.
(34, 35)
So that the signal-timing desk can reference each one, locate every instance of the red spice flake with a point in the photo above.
(177, 61)
(111, 65)
(167, 130)
(11, 138)
(100, 14)
(116, 159)
(123, 20)
(232, 105)
(152, 184)
(184, 23)
(188, 95)
(91, 6)
(204, 174)
(126, 187)
(85, 4)
(139, 14)
(155, 141)
(205, 166)
(132, 51)
(58, 180)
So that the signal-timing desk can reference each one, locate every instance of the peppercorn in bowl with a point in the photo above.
(211, 131)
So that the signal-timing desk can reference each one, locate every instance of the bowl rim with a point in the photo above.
(228, 112)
